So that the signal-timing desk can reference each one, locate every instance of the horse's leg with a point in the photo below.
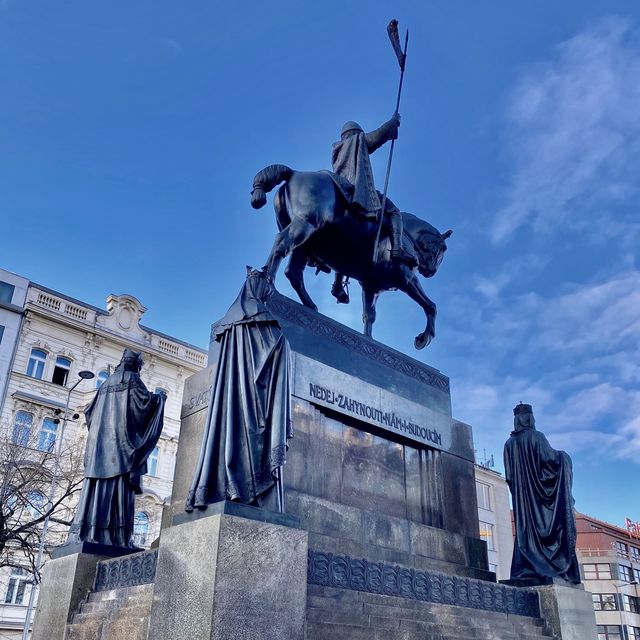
(414, 290)
(369, 298)
(292, 236)
(295, 274)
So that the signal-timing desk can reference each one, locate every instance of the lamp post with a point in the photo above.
(82, 375)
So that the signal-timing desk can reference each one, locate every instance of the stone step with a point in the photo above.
(328, 631)
(113, 603)
(333, 599)
(462, 628)
(354, 609)
(122, 592)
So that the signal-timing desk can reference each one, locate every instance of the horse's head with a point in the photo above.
(430, 246)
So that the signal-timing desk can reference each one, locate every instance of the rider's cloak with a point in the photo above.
(350, 160)
(540, 480)
(249, 419)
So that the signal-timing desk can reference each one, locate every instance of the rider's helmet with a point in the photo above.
(350, 126)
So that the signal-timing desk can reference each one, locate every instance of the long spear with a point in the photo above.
(392, 30)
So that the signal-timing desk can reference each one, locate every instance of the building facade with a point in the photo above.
(51, 338)
(494, 516)
(609, 558)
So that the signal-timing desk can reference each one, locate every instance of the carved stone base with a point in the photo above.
(222, 577)
(568, 611)
(66, 582)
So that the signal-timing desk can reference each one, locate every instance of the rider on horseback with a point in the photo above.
(353, 176)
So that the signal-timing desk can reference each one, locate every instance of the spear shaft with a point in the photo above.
(393, 142)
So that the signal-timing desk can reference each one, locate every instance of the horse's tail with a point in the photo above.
(266, 180)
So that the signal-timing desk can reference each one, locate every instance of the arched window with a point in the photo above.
(37, 360)
(140, 529)
(17, 584)
(101, 377)
(34, 503)
(47, 439)
(22, 428)
(152, 462)
(61, 371)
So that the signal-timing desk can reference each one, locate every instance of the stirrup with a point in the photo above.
(339, 293)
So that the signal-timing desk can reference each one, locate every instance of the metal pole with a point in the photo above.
(45, 524)
(393, 142)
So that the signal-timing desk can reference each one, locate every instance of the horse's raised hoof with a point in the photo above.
(422, 340)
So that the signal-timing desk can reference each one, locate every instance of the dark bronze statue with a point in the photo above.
(540, 480)
(330, 220)
(124, 421)
(249, 419)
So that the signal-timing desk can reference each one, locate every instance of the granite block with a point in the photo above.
(568, 611)
(225, 577)
(66, 581)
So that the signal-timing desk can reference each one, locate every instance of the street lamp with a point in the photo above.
(82, 375)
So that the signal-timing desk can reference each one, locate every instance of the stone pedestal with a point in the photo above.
(65, 583)
(224, 577)
(568, 611)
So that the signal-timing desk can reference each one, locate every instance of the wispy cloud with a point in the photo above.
(573, 134)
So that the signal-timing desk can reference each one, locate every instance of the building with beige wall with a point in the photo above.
(494, 516)
(52, 338)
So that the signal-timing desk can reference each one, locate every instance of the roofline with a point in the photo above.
(102, 312)
(606, 524)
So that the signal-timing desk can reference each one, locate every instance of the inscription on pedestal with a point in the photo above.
(327, 387)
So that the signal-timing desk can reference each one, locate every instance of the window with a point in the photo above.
(486, 533)
(6, 292)
(609, 632)
(636, 573)
(140, 529)
(604, 602)
(17, 584)
(493, 567)
(101, 378)
(47, 439)
(634, 633)
(597, 571)
(484, 495)
(635, 554)
(152, 462)
(22, 428)
(35, 504)
(1, 333)
(61, 371)
(37, 360)
(621, 549)
(625, 573)
(631, 603)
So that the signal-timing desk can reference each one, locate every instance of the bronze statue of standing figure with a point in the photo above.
(124, 422)
(540, 480)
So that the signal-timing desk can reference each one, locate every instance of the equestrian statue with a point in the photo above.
(337, 220)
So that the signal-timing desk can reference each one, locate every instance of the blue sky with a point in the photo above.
(131, 133)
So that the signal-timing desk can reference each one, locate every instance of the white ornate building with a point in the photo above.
(47, 338)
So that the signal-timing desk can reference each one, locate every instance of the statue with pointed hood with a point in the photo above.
(124, 422)
(540, 480)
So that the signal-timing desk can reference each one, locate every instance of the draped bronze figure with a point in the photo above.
(124, 421)
(540, 480)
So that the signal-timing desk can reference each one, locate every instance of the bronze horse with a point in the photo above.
(316, 227)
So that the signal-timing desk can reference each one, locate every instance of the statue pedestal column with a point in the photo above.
(568, 611)
(66, 581)
(221, 576)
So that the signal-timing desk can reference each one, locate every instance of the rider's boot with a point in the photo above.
(398, 252)
(338, 291)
